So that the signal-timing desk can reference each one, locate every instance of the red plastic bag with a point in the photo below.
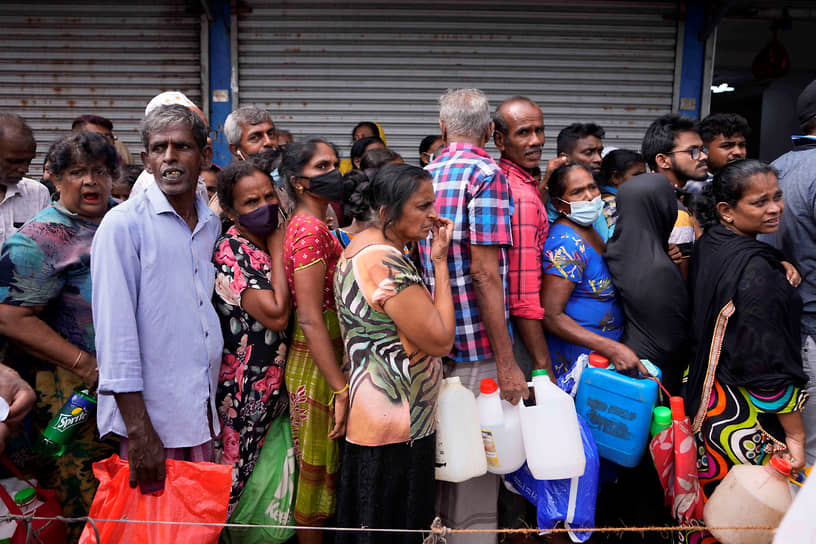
(193, 492)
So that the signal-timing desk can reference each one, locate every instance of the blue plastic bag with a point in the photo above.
(571, 500)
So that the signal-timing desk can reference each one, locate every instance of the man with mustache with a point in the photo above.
(250, 130)
(145, 179)
(519, 135)
(158, 337)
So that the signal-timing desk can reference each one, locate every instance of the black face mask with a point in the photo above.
(329, 185)
(261, 221)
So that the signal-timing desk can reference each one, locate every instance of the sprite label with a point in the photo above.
(64, 426)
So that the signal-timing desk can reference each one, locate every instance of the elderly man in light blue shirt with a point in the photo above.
(158, 337)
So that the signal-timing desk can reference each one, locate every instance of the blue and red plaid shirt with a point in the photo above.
(472, 192)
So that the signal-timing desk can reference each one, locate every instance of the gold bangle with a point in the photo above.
(78, 359)
(346, 388)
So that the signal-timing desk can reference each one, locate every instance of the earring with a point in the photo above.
(729, 219)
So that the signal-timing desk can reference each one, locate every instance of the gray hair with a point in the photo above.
(245, 115)
(11, 122)
(164, 117)
(465, 112)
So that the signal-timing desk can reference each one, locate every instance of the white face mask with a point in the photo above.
(585, 212)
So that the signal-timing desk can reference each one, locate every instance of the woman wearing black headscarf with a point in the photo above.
(650, 287)
(655, 304)
(745, 389)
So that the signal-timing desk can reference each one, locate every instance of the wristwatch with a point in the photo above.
(4, 409)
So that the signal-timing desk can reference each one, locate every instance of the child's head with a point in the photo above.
(121, 186)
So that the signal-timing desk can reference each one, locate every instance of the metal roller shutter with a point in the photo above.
(59, 60)
(320, 67)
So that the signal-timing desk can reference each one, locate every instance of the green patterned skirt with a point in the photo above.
(311, 412)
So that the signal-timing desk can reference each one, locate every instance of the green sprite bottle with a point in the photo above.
(63, 427)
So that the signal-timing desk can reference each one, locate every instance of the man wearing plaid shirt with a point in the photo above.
(472, 191)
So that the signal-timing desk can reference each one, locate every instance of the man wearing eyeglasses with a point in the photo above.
(672, 146)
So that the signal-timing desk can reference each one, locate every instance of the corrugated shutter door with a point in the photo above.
(320, 67)
(59, 60)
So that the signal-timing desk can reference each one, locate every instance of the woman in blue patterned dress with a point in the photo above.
(582, 313)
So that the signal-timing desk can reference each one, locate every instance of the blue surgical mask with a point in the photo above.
(585, 212)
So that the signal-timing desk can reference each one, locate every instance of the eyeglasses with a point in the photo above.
(695, 152)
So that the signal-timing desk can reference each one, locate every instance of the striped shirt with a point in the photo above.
(530, 227)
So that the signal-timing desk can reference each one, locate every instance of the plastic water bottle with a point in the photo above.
(749, 495)
(460, 453)
(62, 429)
(501, 430)
(661, 419)
(551, 433)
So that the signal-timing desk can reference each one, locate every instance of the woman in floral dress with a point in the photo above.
(252, 300)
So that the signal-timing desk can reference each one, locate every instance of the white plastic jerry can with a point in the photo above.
(460, 454)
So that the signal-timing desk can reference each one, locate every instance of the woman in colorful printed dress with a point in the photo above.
(252, 300)
(582, 313)
(394, 334)
(45, 306)
(317, 387)
(746, 385)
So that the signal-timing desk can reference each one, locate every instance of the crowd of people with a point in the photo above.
(201, 303)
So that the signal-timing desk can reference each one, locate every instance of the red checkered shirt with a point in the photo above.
(530, 227)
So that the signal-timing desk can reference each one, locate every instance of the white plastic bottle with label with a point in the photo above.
(459, 451)
(552, 435)
(501, 430)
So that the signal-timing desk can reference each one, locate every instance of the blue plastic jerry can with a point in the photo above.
(618, 410)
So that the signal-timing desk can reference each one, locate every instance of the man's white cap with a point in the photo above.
(167, 98)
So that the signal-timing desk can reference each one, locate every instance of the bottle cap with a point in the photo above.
(488, 386)
(662, 415)
(678, 408)
(597, 360)
(539, 372)
(454, 379)
(781, 464)
(25, 495)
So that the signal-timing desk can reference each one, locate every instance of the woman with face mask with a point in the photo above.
(318, 390)
(252, 300)
(582, 312)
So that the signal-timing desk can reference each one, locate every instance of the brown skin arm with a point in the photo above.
(309, 291)
(145, 449)
(22, 325)
(532, 334)
(20, 397)
(792, 275)
(555, 293)
(794, 438)
(487, 284)
(552, 165)
(271, 307)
